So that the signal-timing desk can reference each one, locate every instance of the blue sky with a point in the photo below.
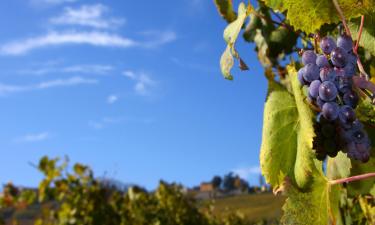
(131, 88)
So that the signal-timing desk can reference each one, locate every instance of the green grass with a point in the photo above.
(254, 207)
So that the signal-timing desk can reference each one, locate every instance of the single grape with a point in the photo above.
(327, 74)
(345, 84)
(345, 42)
(327, 44)
(363, 151)
(350, 98)
(322, 61)
(311, 72)
(346, 115)
(300, 76)
(330, 111)
(359, 136)
(327, 91)
(349, 70)
(352, 59)
(314, 88)
(339, 57)
(308, 56)
(357, 125)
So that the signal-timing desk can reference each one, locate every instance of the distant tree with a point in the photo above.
(216, 181)
(229, 181)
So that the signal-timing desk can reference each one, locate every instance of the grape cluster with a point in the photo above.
(329, 80)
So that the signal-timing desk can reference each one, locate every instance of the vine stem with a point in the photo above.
(341, 14)
(353, 178)
(359, 33)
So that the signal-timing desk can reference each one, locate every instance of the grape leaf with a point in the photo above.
(368, 34)
(366, 112)
(338, 167)
(231, 33)
(316, 207)
(288, 132)
(226, 63)
(225, 8)
(310, 15)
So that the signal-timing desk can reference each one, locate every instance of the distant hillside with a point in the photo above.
(254, 207)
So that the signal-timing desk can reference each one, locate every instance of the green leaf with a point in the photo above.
(368, 34)
(316, 207)
(338, 167)
(231, 33)
(225, 8)
(288, 132)
(310, 15)
(366, 111)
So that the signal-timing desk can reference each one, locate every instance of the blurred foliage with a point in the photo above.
(77, 197)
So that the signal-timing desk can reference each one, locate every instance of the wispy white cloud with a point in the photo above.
(158, 38)
(94, 38)
(73, 81)
(112, 99)
(94, 69)
(65, 82)
(88, 15)
(143, 82)
(100, 124)
(246, 172)
(33, 137)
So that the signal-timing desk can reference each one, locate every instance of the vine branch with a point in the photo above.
(342, 17)
(353, 178)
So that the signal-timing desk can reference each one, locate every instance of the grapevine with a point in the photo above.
(319, 116)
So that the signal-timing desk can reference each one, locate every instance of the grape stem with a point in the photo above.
(347, 31)
(359, 33)
(351, 179)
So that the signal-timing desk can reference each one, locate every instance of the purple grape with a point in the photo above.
(345, 84)
(330, 111)
(350, 98)
(363, 151)
(327, 44)
(339, 57)
(327, 74)
(322, 61)
(352, 59)
(357, 125)
(327, 91)
(345, 42)
(300, 76)
(349, 70)
(311, 72)
(346, 115)
(308, 56)
(314, 88)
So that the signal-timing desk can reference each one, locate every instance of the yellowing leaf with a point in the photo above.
(310, 15)
(288, 132)
(231, 33)
(225, 8)
(226, 63)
